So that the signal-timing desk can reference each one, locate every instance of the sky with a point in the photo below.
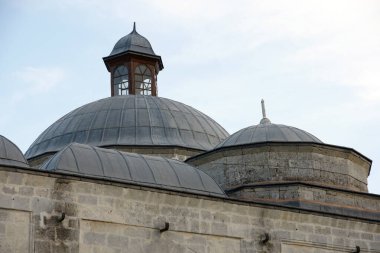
(315, 63)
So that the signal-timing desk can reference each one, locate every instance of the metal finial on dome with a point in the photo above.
(263, 108)
(264, 120)
(134, 27)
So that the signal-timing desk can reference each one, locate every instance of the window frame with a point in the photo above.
(120, 80)
(143, 79)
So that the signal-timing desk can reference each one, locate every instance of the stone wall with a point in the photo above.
(269, 163)
(14, 231)
(370, 202)
(101, 216)
(313, 197)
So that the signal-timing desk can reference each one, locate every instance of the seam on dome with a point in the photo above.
(176, 123)
(58, 157)
(297, 131)
(100, 160)
(38, 141)
(150, 169)
(207, 134)
(221, 144)
(121, 118)
(105, 122)
(46, 165)
(68, 116)
(239, 139)
(78, 124)
(150, 120)
(175, 173)
(3, 144)
(222, 130)
(309, 135)
(48, 141)
(16, 147)
(266, 133)
(72, 152)
(66, 127)
(162, 120)
(222, 192)
(196, 118)
(253, 133)
(208, 122)
(126, 163)
(238, 134)
(200, 177)
(135, 114)
(92, 123)
(79, 113)
(280, 130)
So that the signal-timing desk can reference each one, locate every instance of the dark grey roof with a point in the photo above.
(268, 132)
(10, 154)
(133, 42)
(132, 120)
(133, 168)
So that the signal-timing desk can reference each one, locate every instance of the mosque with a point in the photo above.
(139, 173)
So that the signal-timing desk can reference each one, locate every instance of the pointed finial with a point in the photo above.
(264, 120)
(134, 27)
(263, 108)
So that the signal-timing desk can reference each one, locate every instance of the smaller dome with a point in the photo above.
(10, 154)
(133, 42)
(268, 132)
(158, 172)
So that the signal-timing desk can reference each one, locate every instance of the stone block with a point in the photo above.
(2, 229)
(219, 228)
(117, 241)
(5, 200)
(15, 178)
(26, 191)
(88, 199)
(67, 234)
(94, 238)
(21, 203)
(42, 247)
(9, 190)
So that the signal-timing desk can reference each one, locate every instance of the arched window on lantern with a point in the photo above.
(120, 80)
(143, 80)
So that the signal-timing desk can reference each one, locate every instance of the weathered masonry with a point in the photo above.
(52, 212)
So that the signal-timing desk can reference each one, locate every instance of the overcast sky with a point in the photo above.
(316, 63)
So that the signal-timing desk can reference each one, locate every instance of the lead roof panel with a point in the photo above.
(85, 160)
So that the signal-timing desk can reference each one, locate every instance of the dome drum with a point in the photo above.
(311, 196)
(272, 162)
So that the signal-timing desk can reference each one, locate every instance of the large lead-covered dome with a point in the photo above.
(132, 120)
